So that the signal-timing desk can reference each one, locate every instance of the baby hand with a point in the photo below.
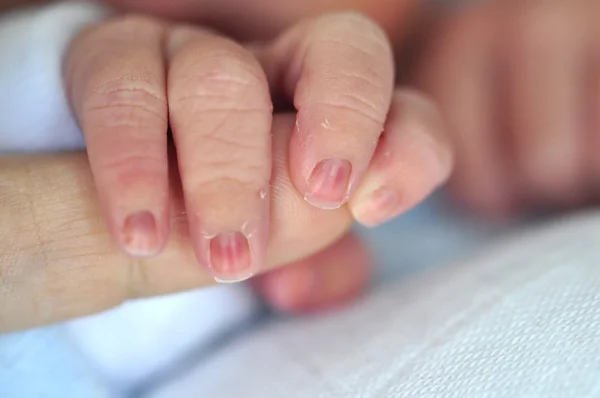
(133, 79)
(519, 84)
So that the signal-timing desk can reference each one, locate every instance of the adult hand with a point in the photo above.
(57, 260)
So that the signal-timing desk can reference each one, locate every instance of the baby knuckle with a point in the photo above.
(227, 158)
(233, 173)
(134, 161)
(360, 107)
(237, 148)
(129, 101)
(222, 86)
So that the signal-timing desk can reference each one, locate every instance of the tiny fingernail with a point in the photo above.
(140, 235)
(328, 184)
(377, 207)
(230, 258)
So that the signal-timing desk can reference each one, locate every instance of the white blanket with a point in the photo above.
(522, 319)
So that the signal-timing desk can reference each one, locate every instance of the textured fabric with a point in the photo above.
(521, 320)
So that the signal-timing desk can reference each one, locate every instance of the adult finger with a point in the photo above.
(57, 260)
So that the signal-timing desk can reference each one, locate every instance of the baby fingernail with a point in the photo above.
(140, 235)
(378, 207)
(328, 184)
(231, 245)
(230, 257)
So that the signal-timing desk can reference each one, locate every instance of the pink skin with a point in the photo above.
(263, 19)
(342, 103)
(411, 160)
(223, 145)
(221, 114)
(116, 92)
(216, 97)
